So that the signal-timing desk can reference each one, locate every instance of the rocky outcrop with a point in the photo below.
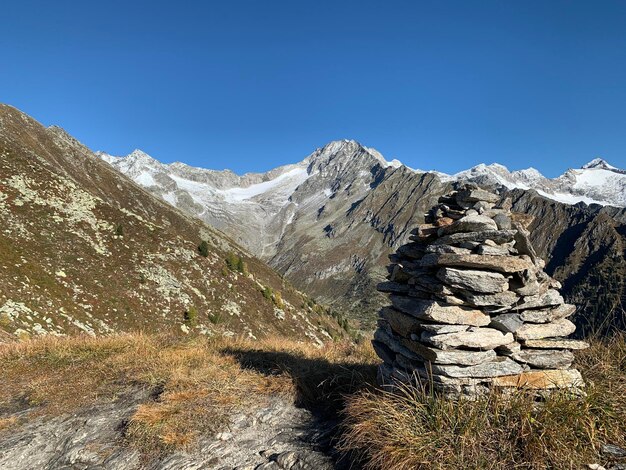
(278, 436)
(471, 305)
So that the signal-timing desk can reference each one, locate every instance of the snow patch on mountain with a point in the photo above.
(284, 185)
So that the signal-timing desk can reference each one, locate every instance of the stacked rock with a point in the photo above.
(472, 308)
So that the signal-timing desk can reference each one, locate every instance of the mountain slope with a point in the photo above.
(266, 202)
(84, 249)
(329, 222)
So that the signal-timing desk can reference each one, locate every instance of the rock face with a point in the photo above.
(275, 436)
(471, 307)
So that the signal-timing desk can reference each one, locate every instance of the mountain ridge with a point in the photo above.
(330, 229)
(573, 186)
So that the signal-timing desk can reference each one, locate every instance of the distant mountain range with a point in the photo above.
(597, 182)
(328, 222)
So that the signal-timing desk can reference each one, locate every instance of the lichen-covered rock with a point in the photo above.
(439, 312)
(475, 338)
(562, 327)
(477, 281)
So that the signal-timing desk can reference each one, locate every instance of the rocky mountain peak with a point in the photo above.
(598, 163)
(347, 153)
(139, 157)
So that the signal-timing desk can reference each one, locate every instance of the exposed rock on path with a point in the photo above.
(277, 436)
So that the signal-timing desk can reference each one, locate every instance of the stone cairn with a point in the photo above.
(472, 308)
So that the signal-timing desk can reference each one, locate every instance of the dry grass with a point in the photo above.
(320, 376)
(191, 387)
(411, 429)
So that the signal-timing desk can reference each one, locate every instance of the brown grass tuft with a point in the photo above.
(411, 429)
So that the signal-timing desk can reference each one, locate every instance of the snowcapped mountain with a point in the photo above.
(256, 207)
(597, 182)
(329, 222)
(269, 194)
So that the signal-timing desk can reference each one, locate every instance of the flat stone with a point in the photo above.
(426, 231)
(492, 250)
(403, 324)
(542, 379)
(548, 315)
(429, 284)
(419, 377)
(392, 287)
(502, 299)
(544, 358)
(508, 349)
(549, 298)
(498, 236)
(482, 206)
(440, 329)
(498, 367)
(507, 322)
(478, 281)
(440, 356)
(394, 344)
(450, 299)
(556, 343)
(503, 221)
(413, 250)
(447, 249)
(504, 264)
(562, 327)
(495, 211)
(418, 293)
(476, 195)
(471, 246)
(438, 312)
(475, 338)
(470, 223)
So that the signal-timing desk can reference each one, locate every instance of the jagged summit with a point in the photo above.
(348, 148)
(599, 163)
(596, 183)
(273, 200)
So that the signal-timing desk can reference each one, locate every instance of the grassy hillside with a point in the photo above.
(84, 249)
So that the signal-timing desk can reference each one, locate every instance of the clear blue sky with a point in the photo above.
(249, 85)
